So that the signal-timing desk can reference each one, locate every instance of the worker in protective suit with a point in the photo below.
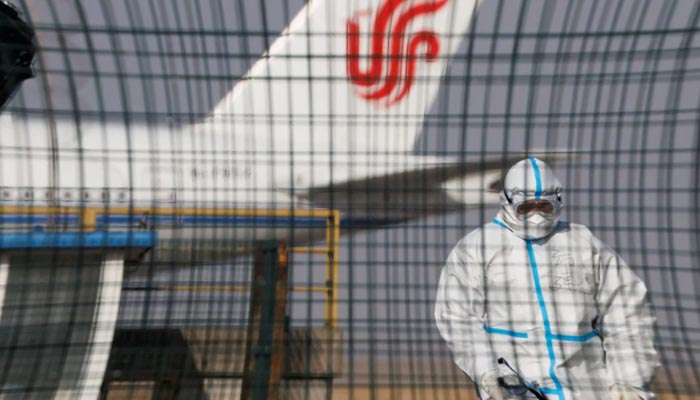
(535, 307)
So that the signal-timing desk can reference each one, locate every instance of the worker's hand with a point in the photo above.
(489, 384)
(620, 391)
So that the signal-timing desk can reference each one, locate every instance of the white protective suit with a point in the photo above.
(558, 304)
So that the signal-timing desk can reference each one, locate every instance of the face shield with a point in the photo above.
(531, 201)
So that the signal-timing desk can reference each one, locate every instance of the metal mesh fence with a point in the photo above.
(161, 145)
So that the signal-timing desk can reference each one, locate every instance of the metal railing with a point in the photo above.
(87, 220)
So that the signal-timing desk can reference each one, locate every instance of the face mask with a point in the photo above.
(538, 226)
(533, 225)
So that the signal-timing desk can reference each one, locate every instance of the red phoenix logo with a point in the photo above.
(401, 55)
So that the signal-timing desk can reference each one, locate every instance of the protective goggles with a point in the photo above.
(524, 203)
(534, 206)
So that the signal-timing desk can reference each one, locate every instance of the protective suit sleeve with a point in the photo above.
(459, 311)
(625, 323)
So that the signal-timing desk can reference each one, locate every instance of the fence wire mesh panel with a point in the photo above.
(359, 199)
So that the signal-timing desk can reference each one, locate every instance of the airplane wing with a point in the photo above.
(434, 186)
(438, 187)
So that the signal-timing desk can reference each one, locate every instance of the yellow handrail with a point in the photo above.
(88, 221)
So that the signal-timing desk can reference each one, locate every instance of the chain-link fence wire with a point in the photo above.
(606, 91)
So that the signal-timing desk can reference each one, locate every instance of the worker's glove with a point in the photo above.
(621, 391)
(489, 384)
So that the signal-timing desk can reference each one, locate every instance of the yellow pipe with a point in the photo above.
(328, 320)
(229, 288)
(204, 288)
(315, 250)
(309, 289)
(13, 209)
(335, 246)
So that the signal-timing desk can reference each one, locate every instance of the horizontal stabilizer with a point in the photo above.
(432, 188)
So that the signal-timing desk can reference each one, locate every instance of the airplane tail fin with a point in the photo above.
(348, 76)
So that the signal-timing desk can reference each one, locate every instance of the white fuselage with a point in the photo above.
(271, 141)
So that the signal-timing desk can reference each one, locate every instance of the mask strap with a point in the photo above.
(510, 201)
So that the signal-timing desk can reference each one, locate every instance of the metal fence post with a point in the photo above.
(265, 350)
